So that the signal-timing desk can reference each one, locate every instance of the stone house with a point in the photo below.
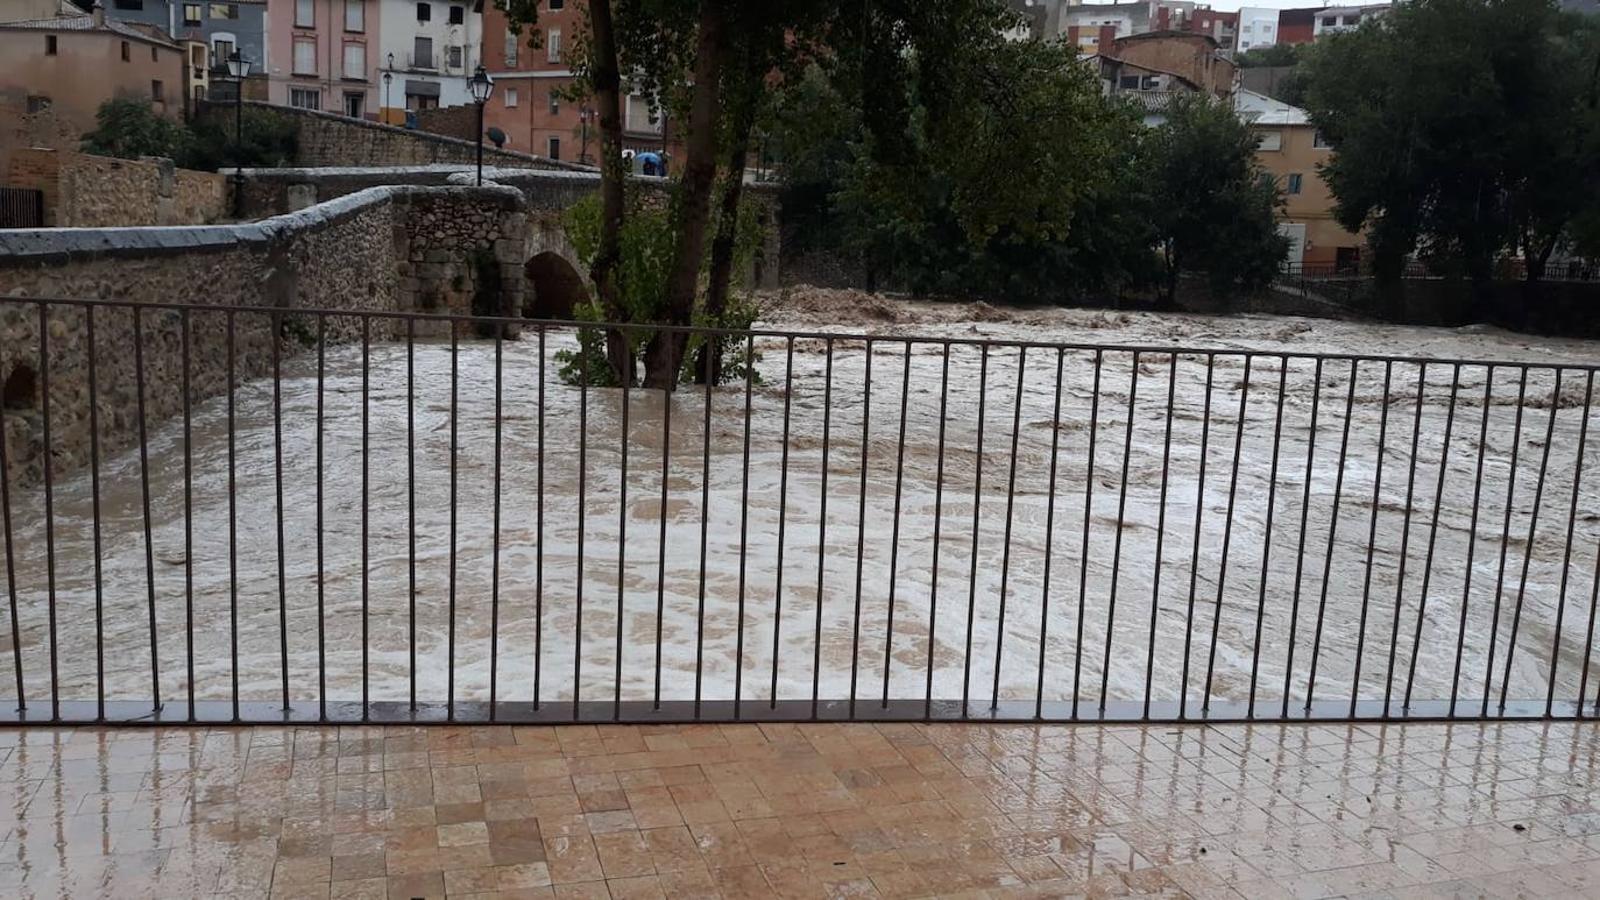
(1292, 149)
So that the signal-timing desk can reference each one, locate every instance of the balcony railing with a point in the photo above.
(240, 514)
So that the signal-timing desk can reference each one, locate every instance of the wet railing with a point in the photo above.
(235, 514)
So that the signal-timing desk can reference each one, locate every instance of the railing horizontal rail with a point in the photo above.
(227, 513)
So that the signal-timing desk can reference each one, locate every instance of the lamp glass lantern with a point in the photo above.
(481, 86)
(238, 66)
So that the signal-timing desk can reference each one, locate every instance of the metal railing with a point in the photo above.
(221, 514)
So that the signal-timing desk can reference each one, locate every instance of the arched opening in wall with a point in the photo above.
(21, 392)
(556, 287)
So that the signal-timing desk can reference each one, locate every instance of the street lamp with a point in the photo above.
(238, 67)
(481, 86)
(388, 78)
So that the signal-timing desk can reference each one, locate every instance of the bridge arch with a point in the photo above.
(556, 281)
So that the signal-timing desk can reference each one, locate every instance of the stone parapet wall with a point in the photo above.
(86, 191)
(378, 250)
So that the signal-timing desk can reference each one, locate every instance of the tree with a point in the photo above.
(129, 129)
(1214, 205)
(1464, 130)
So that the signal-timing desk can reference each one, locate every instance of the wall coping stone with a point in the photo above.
(35, 246)
(498, 174)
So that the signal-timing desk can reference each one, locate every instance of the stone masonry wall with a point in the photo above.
(86, 191)
(353, 253)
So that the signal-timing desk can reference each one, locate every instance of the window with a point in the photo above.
(458, 15)
(224, 11)
(512, 42)
(305, 57)
(1330, 21)
(191, 14)
(353, 103)
(355, 15)
(125, 56)
(424, 12)
(510, 96)
(355, 61)
(49, 45)
(38, 103)
(1319, 142)
(556, 4)
(1128, 82)
(422, 53)
(305, 14)
(555, 148)
(552, 45)
(305, 98)
(158, 91)
(1269, 140)
(129, 4)
(454, 54)
(555, 103)
(221, 50)
(1294, 182)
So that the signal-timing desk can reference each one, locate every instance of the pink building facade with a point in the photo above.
(324, 55)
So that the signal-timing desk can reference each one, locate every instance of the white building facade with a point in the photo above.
(1258, 27)
(431, 48)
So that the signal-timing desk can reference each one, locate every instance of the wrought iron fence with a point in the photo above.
(218, 514)
(21, 208)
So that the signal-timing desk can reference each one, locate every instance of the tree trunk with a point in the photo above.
(607, 79)
(664, 356)
(724, 243)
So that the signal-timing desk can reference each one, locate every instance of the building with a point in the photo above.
(530, 72)
(72, 64)
(211, 32)
(1091, 27)
(1258, 27)
(1292, 149)
(431, 47)
(1150, 69)
(323, 54)
(1302, 26)
(1222, 27)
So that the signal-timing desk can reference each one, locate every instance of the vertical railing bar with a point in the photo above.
(783, 516)
(455, 417)
(1433, 533)
(494, 552)
(583, 470)
(538, 554)
(1227, 531)
(144, 493)
(1372, 535)
(273, 326)
(49, 508)
(625, 432)
(1161, 530)
(1194, 553)
(188, 507)
(1527, 552)
(938, 521)
(977, 512)
(1588, 632)
(1566, 554)
(1405, 536)
(322, 616)
(11, 560)
(1116, 542)
(711, 351)
(1300, 553)
(861, 522)
(1011, 498)
(822, 523)
(366, 517)
(1266, 536)
(411, 506)
(94, 497)
(1505, 539)
(661, 542)
(1088, 519)
(232, 516)
(1049, 538)
(894, 534)
(1472, 537)
(744, 525)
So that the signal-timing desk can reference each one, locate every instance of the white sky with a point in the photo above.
(1231, 5)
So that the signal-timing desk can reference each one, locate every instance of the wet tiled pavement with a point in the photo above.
(799, 811)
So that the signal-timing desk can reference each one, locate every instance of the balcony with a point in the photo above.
(425, 62)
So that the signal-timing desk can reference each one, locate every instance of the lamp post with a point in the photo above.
(388, 78)
(238, 67)
(584, 115)
(481, 86)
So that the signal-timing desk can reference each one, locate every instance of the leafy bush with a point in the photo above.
(129, 129)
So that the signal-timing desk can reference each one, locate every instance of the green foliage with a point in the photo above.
(1213, 204)
(1464, 129)
(129, 129)
(1275, 55)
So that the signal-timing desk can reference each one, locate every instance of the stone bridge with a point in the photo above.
(555, 278)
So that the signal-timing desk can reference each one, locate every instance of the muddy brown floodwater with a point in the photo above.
(539, 568)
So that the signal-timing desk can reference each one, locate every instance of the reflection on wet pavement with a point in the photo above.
(812, 810)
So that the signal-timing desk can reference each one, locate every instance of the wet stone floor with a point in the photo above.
(843, 810)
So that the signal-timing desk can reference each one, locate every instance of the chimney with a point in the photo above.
(98, 14)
